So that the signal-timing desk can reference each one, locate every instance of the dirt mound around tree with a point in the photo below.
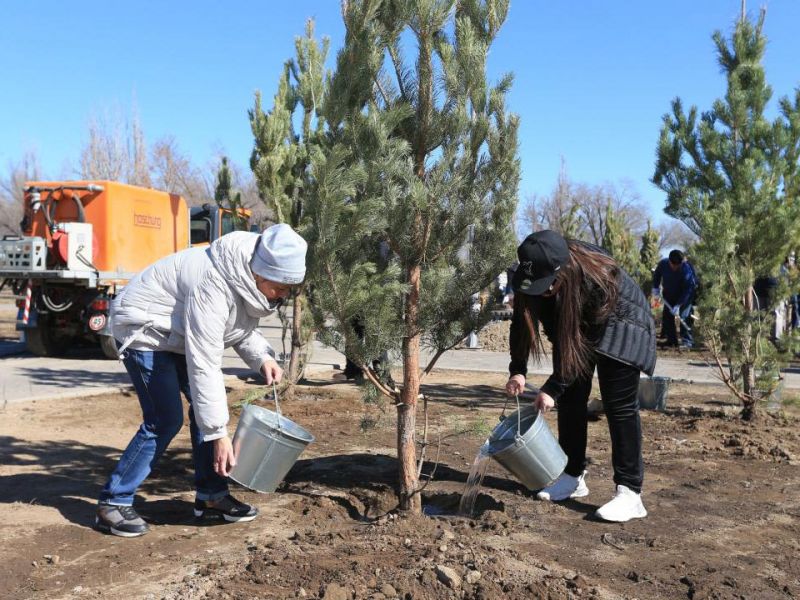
(724, 512)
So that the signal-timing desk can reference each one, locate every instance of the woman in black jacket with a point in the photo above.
(595, 316)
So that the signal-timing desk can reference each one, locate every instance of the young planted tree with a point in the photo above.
(733, 177)
(424, 158)
(281, 157)
(649, 255)
(223, 193)
(620, 243)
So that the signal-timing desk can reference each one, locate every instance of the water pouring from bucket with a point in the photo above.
(523, 443)
(266, 445)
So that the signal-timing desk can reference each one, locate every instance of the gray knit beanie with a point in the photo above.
(280, 255)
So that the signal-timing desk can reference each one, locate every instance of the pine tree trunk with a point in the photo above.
(294, 373)
(748, 372)
(407, 410)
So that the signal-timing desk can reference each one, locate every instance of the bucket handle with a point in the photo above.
(277, 404)
(519, 420)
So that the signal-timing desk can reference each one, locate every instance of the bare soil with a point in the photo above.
(724, 509)
(8, 318)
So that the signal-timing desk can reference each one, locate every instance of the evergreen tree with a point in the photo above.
(281, 159)
(733, 177)
(223, 191)
(649, 254)
(423, 153)
(619, 242)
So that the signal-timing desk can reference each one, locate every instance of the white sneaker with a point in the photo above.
(624, 506)
(566, 486)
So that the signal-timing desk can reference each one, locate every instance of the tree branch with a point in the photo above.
(380, 89)
(396, 63)
(370, 374)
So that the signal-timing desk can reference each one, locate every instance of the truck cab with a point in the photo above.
(209, 222)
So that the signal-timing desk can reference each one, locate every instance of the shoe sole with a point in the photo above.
(575, 494)
(118, 532)
(607, 520)
(200, 514)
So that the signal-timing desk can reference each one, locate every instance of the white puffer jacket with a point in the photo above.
(198, 302)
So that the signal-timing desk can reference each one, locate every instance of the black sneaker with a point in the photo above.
(228, 508)
(120, 520)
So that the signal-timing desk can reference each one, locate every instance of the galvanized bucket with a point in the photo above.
(652, 392)
(525, 446)
(266, 445)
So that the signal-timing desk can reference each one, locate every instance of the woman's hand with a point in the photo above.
(544, 402)
(515, 385)
(271, 371)
(224, 459)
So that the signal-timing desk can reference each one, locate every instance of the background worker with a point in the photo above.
(674, 280)
(595, 316)
(173, 322)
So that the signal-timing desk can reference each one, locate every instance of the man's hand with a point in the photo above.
(515, 385)
(224, 459)
(544, 402)
(676, 310)
(271, 371)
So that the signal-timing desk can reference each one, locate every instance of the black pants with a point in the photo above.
(619, 384)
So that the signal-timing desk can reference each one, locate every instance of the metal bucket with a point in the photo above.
(266, 445)
(525, 446)
(652, 392)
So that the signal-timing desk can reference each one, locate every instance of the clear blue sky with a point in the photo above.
(593, 78)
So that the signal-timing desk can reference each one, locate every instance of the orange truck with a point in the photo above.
(82, 242)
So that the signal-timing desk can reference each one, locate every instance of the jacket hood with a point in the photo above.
(231, 256)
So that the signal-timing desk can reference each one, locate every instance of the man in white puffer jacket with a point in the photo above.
(172, 323)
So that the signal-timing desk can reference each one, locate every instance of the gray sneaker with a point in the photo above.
(120, 520)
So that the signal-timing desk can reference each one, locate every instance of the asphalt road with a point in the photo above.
(85, 372)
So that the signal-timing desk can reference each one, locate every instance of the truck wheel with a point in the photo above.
(46, 341)
(109, 346)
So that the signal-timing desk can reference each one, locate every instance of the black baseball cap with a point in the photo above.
(541, 255)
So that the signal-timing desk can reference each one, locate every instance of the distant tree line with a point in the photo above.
(115, 149)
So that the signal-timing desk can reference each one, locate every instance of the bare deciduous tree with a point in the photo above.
(173, 171)
(674, 234)
(115, 148)
(578, 210)
(11, 184)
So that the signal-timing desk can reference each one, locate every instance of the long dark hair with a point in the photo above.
(586, 291)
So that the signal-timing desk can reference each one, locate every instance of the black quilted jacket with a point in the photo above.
(628, 335)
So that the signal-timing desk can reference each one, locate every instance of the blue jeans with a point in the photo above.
(159, 378)
(668, 326)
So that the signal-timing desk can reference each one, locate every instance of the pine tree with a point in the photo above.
(619, 242)
(733, 177)
(423, 153)
(649, 254)
(223, 191)
(281, 159)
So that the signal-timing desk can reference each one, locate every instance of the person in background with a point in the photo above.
(788, 271)
(596, 317)
(674, 280)
(172, 323)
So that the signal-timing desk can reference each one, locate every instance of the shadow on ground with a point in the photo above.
(345, 471)
(62, 474)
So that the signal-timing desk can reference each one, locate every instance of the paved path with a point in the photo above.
(24, 377)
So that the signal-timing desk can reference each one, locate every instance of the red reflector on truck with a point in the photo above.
(100, 305)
